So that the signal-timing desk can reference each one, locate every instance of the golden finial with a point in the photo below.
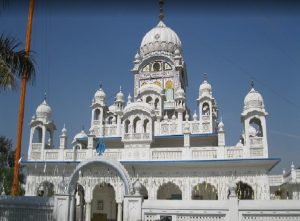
(161, 10)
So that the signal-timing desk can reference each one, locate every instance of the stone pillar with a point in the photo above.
(120, 210)
(119, 125)
(133, 208)
(72, 207)
(88, 211)
(180, 121)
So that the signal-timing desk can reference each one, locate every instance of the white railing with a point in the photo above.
(81, 155)
(116, 155)
(36, 146)
(168, 128)
(110, 130)
(256, 152)
(275, 180)
(137, 136)
(205, 118)
(204, 154)
(35, 155)
(166, 155)
(256, 142)
(51, 155)
(69, 155)
(234, 153)
(195, 129)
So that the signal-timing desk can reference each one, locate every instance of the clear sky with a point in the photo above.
(78, 44)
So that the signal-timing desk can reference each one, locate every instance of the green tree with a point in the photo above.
(7, 156)
(13, 63)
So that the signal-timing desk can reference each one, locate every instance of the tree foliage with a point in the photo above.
(13, 63)
(7, 156)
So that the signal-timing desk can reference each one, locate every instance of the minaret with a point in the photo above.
(208, 111)
(180, 107)
(63, 138)
(254, 119)
(98, 111)
(41, 131)
(119, 104)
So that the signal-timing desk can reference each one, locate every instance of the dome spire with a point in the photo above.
(161, 10)
(252, 84)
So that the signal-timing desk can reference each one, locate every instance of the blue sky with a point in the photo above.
(77, 47)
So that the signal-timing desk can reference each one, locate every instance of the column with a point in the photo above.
(180, 121)
(120, 210)
(88, 211)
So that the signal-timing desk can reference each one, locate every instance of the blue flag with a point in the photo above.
(100, 148)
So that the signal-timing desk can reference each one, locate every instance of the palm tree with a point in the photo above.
(14, 63)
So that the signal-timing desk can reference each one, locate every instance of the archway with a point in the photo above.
(104, 206)
(204, 191)
(100, 160)
(244, 191)
(79, 202)
(169, 191)
(96, 161)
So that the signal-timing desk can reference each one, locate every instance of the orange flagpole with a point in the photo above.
(15, 187)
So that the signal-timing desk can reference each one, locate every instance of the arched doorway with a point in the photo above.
(169, 191)
(104, 206)
(95, 162)
(79, 202)
(244, 191)
(204, 191)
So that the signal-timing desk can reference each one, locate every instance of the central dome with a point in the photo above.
(160, 38)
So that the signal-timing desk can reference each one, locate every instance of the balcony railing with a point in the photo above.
(137, 136)
(36, 146)
(256, 142)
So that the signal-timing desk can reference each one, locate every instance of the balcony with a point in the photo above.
(256, 142)
(136, 136)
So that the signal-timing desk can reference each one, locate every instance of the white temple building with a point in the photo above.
(168, 152)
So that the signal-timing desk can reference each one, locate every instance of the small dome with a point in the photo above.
(80, 135)
(180, 93)
(221, 126)
(205, 87)
(100, 96)
(64, 130)
(253, 100)
(43, 110)
(160, 38)
(120, 96)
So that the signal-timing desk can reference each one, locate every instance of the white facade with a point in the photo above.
(173, 153)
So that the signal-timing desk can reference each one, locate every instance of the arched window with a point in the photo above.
(37, 135)
(204, 191)
(205, 109)
(97, 114)
(137, 125)
(48, 139)
(255, 127)
(77, 147)
(169, 191)
(156, 103)
(45, 189)
(244, 191)
(146, 126)
(149, 100)
(109, 120)
(126, 124)
(169, 90)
